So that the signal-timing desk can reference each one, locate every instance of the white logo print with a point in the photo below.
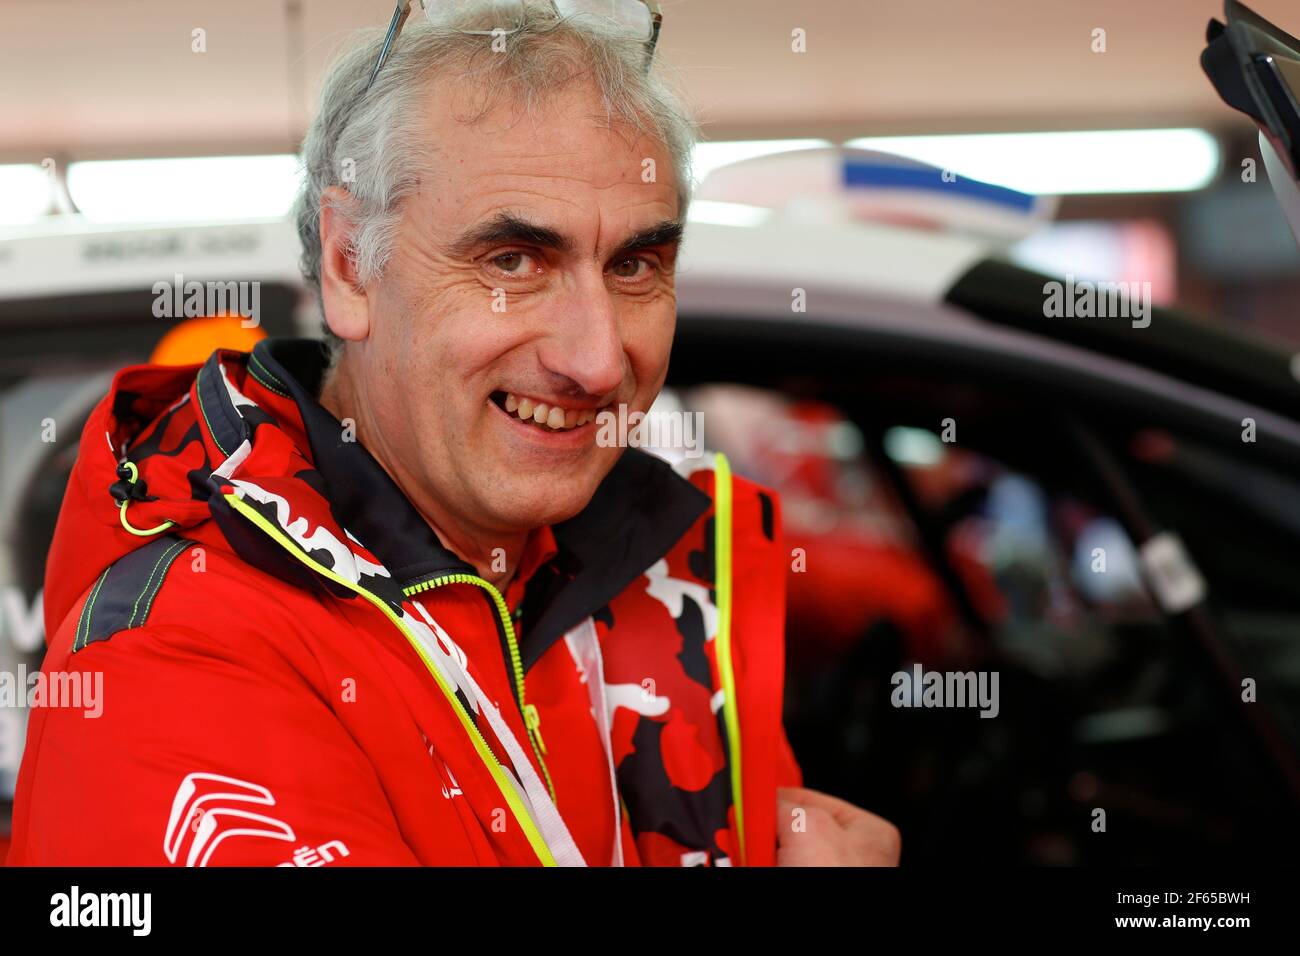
(346, 562)
(454, 790)
(307, 856)
(672, 592)
(203, 809)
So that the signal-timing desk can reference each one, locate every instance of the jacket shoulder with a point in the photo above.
(123, 595)
(174, 581)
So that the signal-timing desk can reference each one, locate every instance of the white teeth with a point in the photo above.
(552, 416)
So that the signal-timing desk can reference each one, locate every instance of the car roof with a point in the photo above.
(958, 287)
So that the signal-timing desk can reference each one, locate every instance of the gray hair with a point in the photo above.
(365, 141)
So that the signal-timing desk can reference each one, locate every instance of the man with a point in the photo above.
(390, 601)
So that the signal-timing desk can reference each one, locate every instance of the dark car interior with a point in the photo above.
(1106, 699)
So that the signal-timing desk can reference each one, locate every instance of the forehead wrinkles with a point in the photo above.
(585, 156)
(550, 128)
(572, 153)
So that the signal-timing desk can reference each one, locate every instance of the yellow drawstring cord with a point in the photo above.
(135, 476)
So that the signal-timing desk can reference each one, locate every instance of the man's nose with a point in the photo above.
(586, 344)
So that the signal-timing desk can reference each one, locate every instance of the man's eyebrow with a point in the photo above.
(506, 227)
(668, 232)
(509, 227)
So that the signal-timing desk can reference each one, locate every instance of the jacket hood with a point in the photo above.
(174, 445)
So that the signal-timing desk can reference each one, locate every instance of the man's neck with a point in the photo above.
(495, 555)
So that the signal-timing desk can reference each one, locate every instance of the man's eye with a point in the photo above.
(630, 268)
(515, 263)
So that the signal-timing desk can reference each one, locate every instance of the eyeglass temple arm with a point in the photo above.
(395, 25)
(403, 10)
(656, 22)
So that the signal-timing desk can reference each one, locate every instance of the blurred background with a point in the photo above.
(142, 140)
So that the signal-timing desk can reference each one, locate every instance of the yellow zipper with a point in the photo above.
(532, 720)
(521, 813)
(722, 494)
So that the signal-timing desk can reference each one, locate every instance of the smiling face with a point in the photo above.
(531, 273)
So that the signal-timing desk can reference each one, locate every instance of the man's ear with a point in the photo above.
(346, 303)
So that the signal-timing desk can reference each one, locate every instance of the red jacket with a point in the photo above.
(296, 672)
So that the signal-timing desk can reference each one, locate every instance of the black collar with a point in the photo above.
(637, 514)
